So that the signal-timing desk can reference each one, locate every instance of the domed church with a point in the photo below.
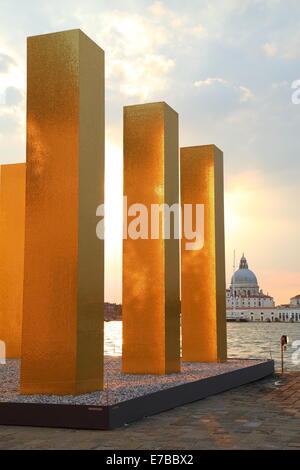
(244, 281)
(244, 294)
(245, 301)
(244, 289)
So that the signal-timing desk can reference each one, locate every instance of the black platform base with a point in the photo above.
(110, 417)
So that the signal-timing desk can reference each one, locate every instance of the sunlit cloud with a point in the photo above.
(270, 49)
(245, 93)
(182, 23)
(284, 47)
(140, 77)
(209, 81)
(133, 67)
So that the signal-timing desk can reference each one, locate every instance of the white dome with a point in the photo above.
(243, 277)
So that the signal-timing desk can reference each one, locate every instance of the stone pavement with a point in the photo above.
(262, 415)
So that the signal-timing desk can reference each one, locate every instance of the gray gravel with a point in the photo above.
(118, 387)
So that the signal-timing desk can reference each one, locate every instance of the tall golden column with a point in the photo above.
(62, 341)
(12, 214)
(203, 286)
(151, 322)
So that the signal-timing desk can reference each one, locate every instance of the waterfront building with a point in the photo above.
(245, 301)
(295, 301)
(112, 312)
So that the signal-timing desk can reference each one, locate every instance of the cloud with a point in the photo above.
(142, 76)
(12, 120)
(13, 96)
(158, 9)
(9, 124)
(199, 30)
(284, 38)
(270, 49)
(245, 95)
(134, 65)
(181, 22)
(291, 50)
(209, 81)
(121, 33)
(5, 63)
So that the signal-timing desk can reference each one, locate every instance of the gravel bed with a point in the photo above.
(118, 387)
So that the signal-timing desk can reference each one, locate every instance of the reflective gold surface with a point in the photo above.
(12, 214)
(151, 328)
(203, 287)
(62, 340)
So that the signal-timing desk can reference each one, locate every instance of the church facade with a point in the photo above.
(245, 301)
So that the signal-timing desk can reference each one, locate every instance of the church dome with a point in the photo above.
(243, 277)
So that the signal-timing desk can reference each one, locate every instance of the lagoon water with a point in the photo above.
(245, 340)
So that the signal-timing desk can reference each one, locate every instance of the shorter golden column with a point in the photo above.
(12, 214)
(203, 285)
(151, 321)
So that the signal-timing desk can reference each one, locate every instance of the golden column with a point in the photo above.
(62, 341)
(151, 322)
(12, 214)
(203, 286)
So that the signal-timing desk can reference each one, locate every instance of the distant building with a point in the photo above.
(245, 301)
(112, 312)
(295, 301)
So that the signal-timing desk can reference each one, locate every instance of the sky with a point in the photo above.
(227, 67)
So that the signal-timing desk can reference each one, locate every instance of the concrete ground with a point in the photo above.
(262, 415)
